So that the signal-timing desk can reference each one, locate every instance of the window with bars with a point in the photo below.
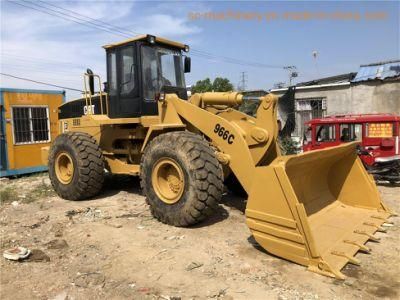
(308, 109)
(30, 124)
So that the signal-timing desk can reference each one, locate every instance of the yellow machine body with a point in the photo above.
(317, 209)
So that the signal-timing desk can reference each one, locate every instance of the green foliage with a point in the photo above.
(202, 86)
(288, 145)
(222, 85)
(249, 107)
(218, 85)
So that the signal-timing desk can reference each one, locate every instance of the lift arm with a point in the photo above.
(242, 140)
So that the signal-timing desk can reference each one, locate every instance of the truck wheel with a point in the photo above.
(76, 166)
(181, 178)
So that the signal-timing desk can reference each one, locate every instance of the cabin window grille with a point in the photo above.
(308, 109)
(31, 124)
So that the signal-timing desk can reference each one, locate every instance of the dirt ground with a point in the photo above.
(111, 248)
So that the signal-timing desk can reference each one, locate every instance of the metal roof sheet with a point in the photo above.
(329, 80)
(379, 71)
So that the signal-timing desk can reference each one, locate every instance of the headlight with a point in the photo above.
(186, 48)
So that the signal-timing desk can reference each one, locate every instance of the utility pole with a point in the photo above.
(315, 56)
(279, 85)
(243, 81)
(292, 73)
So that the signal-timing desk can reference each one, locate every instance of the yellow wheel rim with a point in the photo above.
(64, 167)
(168, 180)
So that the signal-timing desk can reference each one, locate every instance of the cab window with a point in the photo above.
(350, 132)
(307, 134)
(379, 130)
(325, 133)
(161, 67)
(127, 71)
(112, 73)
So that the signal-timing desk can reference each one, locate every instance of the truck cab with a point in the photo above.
(378, 135)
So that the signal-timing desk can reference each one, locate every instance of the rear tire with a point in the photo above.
(181, 178)
(76, 166)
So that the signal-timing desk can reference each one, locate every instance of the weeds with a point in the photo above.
(8, 195)
(42, 190)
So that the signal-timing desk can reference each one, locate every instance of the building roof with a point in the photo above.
(378, 71)
(144, 37)
(383, 117)
(329, 80)
(375, 71)
(31, 91)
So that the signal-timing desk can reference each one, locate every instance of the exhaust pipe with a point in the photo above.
(91, 81)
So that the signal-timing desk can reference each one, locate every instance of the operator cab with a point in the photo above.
(139, 69)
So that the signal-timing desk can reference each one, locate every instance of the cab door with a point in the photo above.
(123, 87)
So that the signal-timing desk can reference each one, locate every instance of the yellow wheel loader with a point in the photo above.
(317, 209)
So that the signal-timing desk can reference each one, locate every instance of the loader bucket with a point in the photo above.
(317, 209)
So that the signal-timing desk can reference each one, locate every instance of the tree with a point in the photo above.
(202, 86)
(222, 85)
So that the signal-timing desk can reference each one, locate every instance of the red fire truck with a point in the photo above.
(378, 135)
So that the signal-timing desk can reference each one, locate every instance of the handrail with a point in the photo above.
(88, 95)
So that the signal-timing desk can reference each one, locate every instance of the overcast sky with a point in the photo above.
(48, 48)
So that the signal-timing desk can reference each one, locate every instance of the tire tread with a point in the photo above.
(90, 164)
(208, 181)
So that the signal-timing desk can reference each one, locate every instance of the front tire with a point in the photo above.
(76, 166)
(181, 178)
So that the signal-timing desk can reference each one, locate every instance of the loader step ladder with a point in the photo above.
(88, 95)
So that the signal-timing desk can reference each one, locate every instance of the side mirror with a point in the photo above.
(187, 64)
(105, 89)
(91, 81)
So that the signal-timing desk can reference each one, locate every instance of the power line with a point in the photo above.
(123, 32)
(85, 20)
(66, 76)
(62, 16)
(233, 60)
(117, 28)
(200, 52)
(39, 60)
(40, 82)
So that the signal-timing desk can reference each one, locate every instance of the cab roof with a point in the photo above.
(144, 37)
(360, 118)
